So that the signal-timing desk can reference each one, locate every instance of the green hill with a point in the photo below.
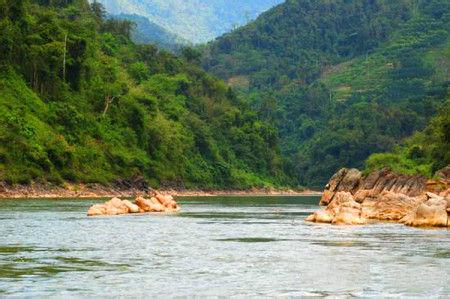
(146, 32)
(80, 102)
(194, 20)
(340, 79)
(424, 153)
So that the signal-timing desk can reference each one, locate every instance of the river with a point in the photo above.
(248, 246)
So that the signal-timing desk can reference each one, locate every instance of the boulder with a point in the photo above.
(115, 206)
(445, 193)
(431, 213)
(146, 205)
(343, 200)
(97, 210)
(389, 206)
(167, 201)
(371, 180)
(132, 208)
(386, 196)
(326, 197)
(336, 180)
(321, 216)
(312, 217)
(385, 180)
(438, 186)
(343, 209)
(443, 173)
(344, 180)
(351, 181)
(348, 216)
(332, 186)
(142, 204)
(363, 194)
(157, 206)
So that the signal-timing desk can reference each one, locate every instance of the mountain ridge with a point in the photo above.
(147, 32)
(340, 79)
(211, 18)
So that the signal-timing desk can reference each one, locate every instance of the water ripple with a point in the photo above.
(227, 246)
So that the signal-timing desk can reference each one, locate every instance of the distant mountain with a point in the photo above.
(341, 79)
(195, 20)
(147, 32)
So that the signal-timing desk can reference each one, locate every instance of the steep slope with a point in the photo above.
(340, 79)
(425, 152)
(80, 102)
(146, 32)
(194, 20)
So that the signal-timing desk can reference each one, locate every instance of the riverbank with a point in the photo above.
(351, 198)
(99, 191)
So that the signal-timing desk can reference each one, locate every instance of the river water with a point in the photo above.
(215, 246)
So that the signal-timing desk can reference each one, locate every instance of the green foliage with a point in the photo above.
(139, 71)
(341, 80)
(80, 102)
(193, 20)
(147, 32)
(423, 153)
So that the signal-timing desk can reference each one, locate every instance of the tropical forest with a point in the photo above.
(224, 148)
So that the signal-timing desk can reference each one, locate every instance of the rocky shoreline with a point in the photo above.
(350, 198)
(127, 191)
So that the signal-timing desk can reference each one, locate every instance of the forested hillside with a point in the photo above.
(340, 79)
(147, 32)
(423, 153)
(80, 102)
(194, 20)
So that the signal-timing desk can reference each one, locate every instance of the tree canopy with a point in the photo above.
(80, 102)
(345, 79)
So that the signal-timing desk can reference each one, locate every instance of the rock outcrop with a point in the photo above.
(343, 209)
(156, 204)
(350, 198)
(114, 206)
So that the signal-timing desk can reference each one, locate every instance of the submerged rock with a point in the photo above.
(97, 210)
(116, 206)
(384, 195)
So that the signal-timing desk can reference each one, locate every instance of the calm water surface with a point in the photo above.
(216, 246)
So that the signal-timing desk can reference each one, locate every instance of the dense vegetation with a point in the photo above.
(341, 79)
(194, 20)
(80, 102)
(147, 32)
(424, 153)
